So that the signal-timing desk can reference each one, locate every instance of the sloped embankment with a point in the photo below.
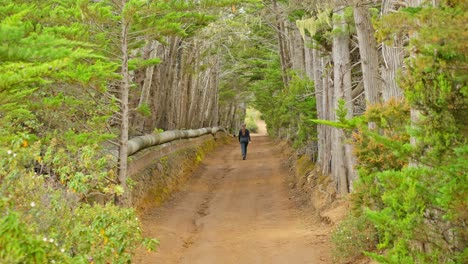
(158, 171)
(313, 192)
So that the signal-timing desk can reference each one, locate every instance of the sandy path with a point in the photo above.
(235, 211)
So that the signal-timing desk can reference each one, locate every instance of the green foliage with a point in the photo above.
(291, 108)
(251, 119)
(144, 109)
(81, 169)
(414, 193)
(342, 123)
(42, 224)
(403, 204)
(347, 18)
(352, 237)
(158, 130)
(60, 64)
(43, 218)
(422, 205)
(287, 111)
(54, 109)
(382, 151)
(436, 88)
(296, 14)
(318, 27)
(138, 63)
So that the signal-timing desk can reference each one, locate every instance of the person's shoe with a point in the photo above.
(243, 158)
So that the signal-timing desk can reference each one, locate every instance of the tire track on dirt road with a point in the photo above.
(235, 211)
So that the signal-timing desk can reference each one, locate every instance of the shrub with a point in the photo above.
(353, 236)
(251, 119)
(43, 221)
(251, 125)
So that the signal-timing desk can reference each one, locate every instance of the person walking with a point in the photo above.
(244, 139)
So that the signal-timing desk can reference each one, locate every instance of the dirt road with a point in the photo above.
(235, 211)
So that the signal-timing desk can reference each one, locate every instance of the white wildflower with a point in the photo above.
(9, 152)
(51, 240)
(62, 250)
(33, 204)
(44, 239)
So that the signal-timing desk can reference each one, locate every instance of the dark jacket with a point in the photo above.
(244, 138)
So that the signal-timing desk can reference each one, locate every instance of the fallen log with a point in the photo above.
(141, 142)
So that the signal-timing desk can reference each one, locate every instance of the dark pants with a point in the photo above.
(244, 148)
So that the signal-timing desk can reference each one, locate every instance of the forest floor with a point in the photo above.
(236, 211)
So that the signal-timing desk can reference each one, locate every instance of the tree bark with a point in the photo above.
(138, 143)
(319, 94)
(124, 91)
(328, 114)
(392, 59)
(342, 90)
(368, 53)
(297, 51)
(147, 83)
(283, 44)
(318, 72)
(414, 113)
(171, 87)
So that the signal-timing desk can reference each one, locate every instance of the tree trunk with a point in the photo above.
(414, 113)
(215, 109)
(309, 61)
(124, 90)
(328, 113)
(283, 45)
(392, 59)
(319, 94)
(138, 143)
(368, 53)
(297, 51)
(147, 83)
(158, 94)
(342, 90)
(316, 73)
(171, 87)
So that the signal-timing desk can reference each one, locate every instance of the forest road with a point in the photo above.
(235, 211)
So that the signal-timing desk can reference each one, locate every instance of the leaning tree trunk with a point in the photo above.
(368, 53)
(342, 90)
